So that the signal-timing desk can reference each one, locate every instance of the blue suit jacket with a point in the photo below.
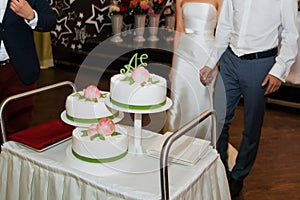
(17, 36)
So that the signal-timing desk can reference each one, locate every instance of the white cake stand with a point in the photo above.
(137, 142)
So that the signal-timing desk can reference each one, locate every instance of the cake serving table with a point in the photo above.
(26, 174)
(138, 136)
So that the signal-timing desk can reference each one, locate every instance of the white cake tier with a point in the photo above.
(135, 96)
(99, 151)
(84, 111)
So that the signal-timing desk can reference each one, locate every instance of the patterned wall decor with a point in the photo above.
(81, 25)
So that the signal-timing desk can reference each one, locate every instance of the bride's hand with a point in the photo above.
(206, 75)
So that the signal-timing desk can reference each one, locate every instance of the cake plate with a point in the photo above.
(137, 137)
(64, 118)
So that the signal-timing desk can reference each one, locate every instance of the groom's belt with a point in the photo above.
(257, 55)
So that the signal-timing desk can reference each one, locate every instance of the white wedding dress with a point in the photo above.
(190, 98)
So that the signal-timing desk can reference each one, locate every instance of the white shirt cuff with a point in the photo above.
(32, 23)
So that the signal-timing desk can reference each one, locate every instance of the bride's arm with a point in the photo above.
(179, 22)
(219, 6)
(179, 19)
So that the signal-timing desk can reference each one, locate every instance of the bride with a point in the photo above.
(195, 24)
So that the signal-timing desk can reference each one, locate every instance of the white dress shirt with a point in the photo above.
(32, 24)
(250, 26)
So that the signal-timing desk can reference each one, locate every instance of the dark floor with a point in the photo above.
(276, 173)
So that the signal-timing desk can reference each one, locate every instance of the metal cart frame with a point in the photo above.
(25, 94)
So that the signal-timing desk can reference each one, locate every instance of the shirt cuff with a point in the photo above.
(279, 72)
(32, 23)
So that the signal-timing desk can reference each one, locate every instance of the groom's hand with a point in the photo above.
(272, 84)
(22, 8)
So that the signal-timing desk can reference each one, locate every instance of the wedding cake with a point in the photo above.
(88, 106)
(103, 142)
(136, 88)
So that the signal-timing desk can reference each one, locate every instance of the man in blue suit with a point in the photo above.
(253, 66)
(19, 64)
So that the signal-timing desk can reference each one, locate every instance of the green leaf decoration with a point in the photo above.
(130, 79)
(84, 133)
(153, 82)
(95, 100)
(143, 84)
(98, 135)
(115, 134)
(78, 95)
(126, 78)
(103, 95)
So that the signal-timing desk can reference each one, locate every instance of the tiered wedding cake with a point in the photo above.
(135, 88)
(103, 141)
(88, 106)
(100, 143)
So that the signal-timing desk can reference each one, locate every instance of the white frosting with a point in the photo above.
(137, 95)
(112, 146)
(83, 109)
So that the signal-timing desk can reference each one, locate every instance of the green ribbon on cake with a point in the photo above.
(89, 121)
(99, 160)
(135, 107)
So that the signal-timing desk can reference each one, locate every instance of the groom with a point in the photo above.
(252, 66)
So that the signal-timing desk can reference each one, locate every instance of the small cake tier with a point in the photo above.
(84, 111)
(136, 96)
(99, 151)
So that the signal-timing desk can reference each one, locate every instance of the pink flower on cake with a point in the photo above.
(91, 92)
(140, 74)
(106, 126)
(92, 130)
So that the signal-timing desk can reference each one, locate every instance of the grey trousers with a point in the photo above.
(244, 78)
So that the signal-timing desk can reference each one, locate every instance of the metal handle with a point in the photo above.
(24, 94)
(164, 176)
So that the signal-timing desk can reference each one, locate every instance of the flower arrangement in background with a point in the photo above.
(119, 7)
(169, 8)
(139, 6)
(156, 6)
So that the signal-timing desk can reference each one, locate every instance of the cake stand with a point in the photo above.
(137, 137)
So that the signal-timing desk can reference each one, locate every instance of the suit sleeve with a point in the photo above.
(46, 16)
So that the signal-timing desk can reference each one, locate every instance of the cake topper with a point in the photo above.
(134, 60)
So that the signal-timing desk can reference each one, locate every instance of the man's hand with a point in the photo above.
(22, 8)
(207, 75)
(272, 84)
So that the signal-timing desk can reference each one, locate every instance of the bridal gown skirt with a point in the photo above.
(190, 98)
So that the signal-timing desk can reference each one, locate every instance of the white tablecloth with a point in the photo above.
(53, 174)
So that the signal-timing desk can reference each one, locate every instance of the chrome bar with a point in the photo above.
(28, 93)
(164, 180)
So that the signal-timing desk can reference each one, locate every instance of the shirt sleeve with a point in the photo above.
(223, 31)
(288, 43)
(32, 23)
